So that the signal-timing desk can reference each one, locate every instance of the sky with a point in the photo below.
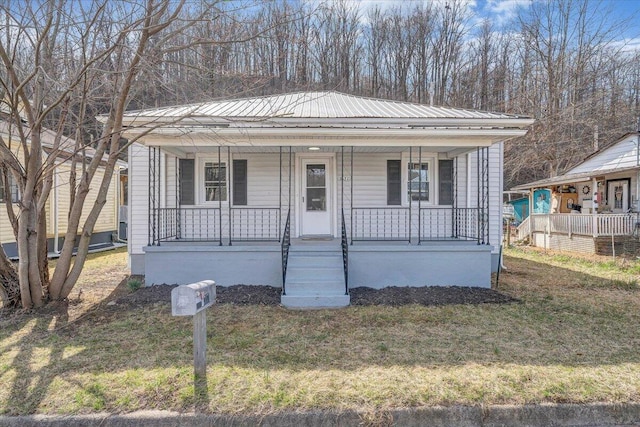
(501, 12)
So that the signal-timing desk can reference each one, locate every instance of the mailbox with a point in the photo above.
(187, 300)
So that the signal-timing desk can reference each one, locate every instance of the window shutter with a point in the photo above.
(239, 182)
(394, 182)
(445, 180)
(187, 183)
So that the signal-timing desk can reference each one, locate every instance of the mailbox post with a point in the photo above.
(192, 300)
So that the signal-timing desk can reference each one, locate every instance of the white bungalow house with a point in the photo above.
(594, 206)
(316, 192)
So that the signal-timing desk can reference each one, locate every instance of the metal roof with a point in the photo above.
(315, 105)
(570, 178)
(622, 156)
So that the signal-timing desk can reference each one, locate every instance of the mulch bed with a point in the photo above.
(391, 296)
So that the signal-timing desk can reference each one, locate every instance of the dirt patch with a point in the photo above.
(427, 295)
(391, 296)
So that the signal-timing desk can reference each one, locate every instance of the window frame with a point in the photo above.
(201, 183)
(431, 160)
(12, 185)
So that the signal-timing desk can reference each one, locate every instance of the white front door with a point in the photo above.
(618, 196)
(316, 196)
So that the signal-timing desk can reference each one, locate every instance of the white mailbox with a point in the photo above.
(187, 300)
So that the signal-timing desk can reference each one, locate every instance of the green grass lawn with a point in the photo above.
(573, 337)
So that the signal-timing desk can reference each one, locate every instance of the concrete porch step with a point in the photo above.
(314, 288)
(315, 301)
(315, 279)
(314, 274)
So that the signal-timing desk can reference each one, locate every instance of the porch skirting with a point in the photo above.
(601, 245)
(373, 265)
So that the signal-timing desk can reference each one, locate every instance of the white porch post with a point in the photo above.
(594, 210)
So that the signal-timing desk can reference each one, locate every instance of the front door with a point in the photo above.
(618, 196)
(316, 196)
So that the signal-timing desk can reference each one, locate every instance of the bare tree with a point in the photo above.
(67, 60)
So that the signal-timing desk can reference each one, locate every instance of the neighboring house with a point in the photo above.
(316, 192)
(57, 208)
(592, 204)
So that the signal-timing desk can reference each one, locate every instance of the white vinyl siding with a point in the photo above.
(170, 182)
(138, 230)
(495, 191)
(370, 179)
(108, 219)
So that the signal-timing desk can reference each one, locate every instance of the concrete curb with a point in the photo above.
(565, 415)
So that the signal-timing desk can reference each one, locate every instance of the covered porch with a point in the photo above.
(338, 216)
(593, 212)
(362, 194)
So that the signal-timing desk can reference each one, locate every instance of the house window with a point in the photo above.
(13, 191)
(418, 182)
(215, 182)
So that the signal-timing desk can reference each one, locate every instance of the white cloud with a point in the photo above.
(503, 11)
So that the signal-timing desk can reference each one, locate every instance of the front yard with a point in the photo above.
(571, 337)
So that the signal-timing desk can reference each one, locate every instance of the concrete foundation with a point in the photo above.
(372, 265)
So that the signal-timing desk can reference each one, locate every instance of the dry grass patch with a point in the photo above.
(571, 338)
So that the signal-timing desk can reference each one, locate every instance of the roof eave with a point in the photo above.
(284, 122)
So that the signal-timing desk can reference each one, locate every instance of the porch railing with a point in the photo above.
(211, 224)
(524, 229)
(617, 224)
(189, 224)
(192, 224)
(284, 246)
(448, 223)
(345, 254)
(583, 224)
(369, 224)
(254, 224)
(466, 223)
(168, 228)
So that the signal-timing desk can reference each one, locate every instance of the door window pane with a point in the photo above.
(316, 188)
(315, 176)
(316, 199)
(617, 196)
